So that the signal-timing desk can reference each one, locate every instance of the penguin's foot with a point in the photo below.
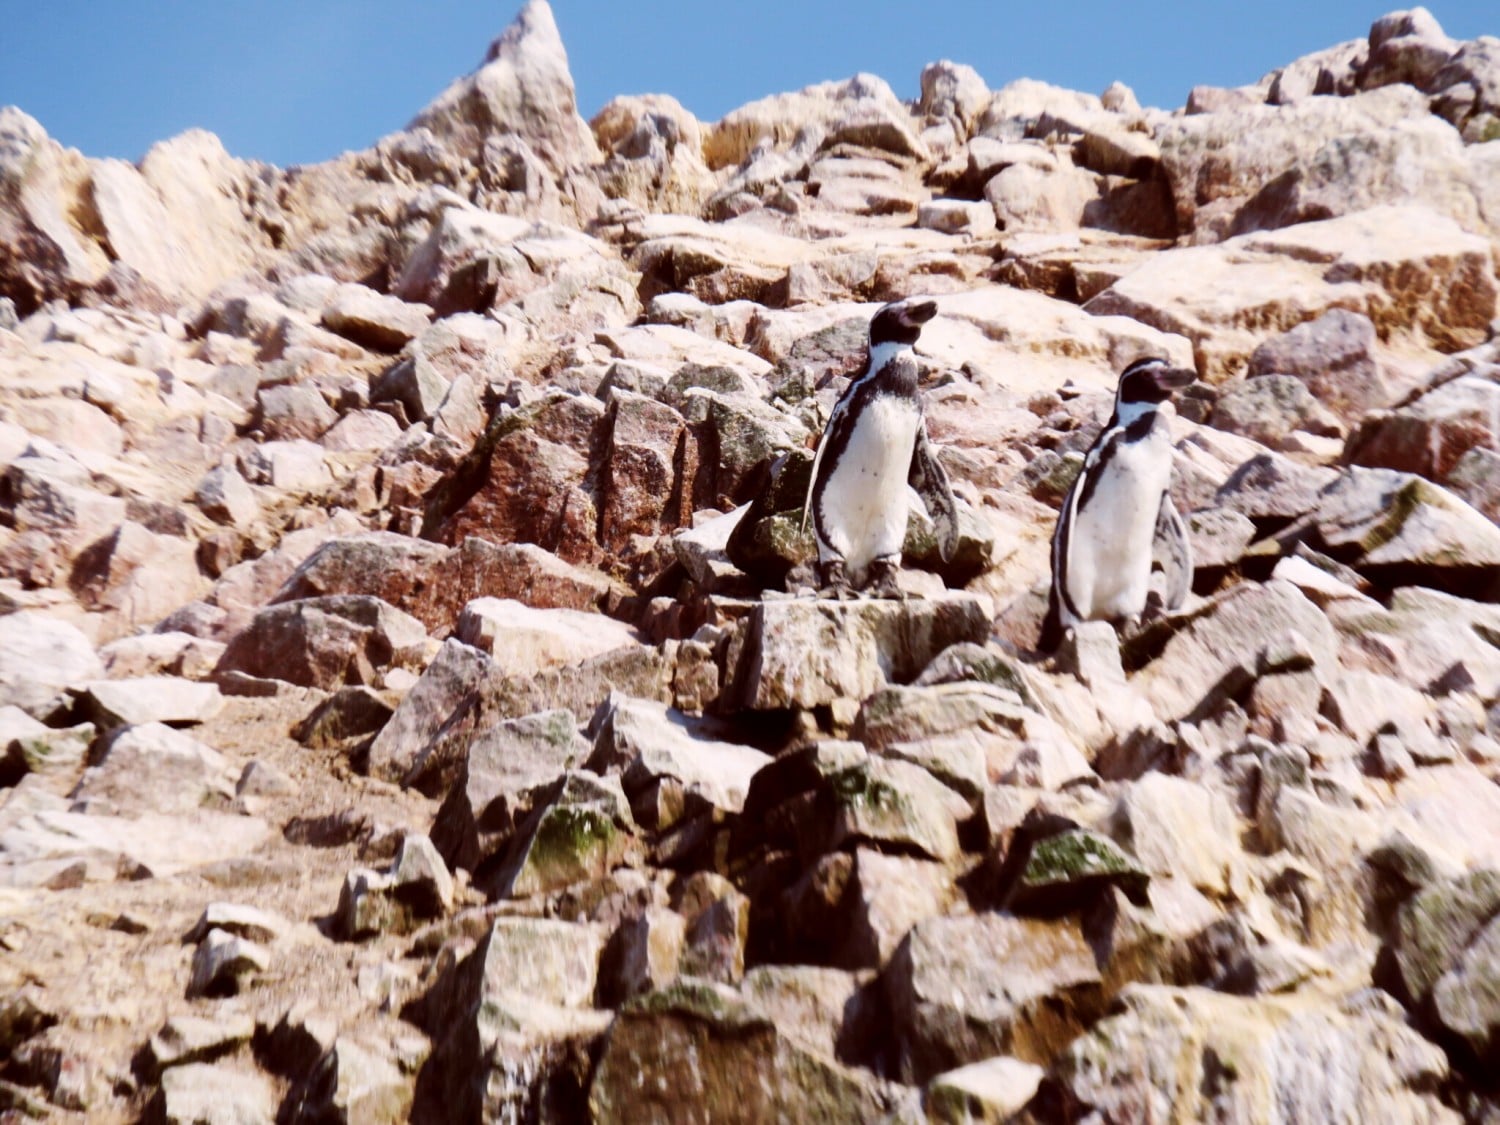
(1154, 609)
(883, 583)
(834, 585)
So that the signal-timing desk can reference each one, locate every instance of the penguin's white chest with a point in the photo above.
(864, 502)
(1109, 564)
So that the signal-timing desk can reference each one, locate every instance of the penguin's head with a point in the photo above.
(1150, 382)
(901, 322)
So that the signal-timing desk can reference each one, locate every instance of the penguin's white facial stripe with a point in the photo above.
(881, 354)
(1132, 412)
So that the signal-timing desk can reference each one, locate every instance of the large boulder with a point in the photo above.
(1194, 1053)
(696, 1052)
(326, 642)
(41, 656)
(807, 653)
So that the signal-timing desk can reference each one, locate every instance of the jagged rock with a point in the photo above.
(885, 897)
(957, 216)
(1184, 1051)
(826, 1010)
(1436, 925)
(1407, 47)
(1214, 162)
(48, 842)
(226, 498)
(862, 103)
(1024, 107)
(1465, 997)
(1216, 653)
(292, 413)
(349, 714)
(520, 572)
(581, 829)
(382, 564)
(1028, 198)
(137, 576)
(1416, 161)
(962, 989)
(530, 467)
(160, 654)
(1369, 261)
(1334, 355)
(1397, 528)
(41, 655)
(697, 1047)
(31, 747)
(325, 642)
(644, 955)
(966, 734)
(808, 653)
(645, 741)
(223, 964)
(400, 746)
(362, 431)
(353, 1083)
(718, 923)
(416, 888)
(153, 768)
(289, 466)
(1267, 409)
(1431, 435)
(513, 1036)
(1175, 827)
(506, 767)
(1271, 487)
(1067, 870)
(373, 319)
(523, 88)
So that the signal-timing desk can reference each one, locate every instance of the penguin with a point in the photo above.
(1118, 517)
(874, 445)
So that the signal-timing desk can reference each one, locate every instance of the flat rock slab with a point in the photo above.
(808, 652)
(152, 699)
(48, 844)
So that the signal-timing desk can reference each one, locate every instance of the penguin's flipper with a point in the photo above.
(1173, 552)
(930, 481)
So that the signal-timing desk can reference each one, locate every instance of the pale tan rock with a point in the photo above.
(1027, 198)
(526, 640)
(951, 89)
(522, 88)
(1020, 107)
(1215, 162)
(48, 253)
(1149, 1060)
(1410, 270)
(777, 120)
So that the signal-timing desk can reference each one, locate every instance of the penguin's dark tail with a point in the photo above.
(1052, 628)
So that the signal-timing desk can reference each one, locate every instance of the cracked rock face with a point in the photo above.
(407, 707)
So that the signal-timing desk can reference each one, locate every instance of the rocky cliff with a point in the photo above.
(391, 729)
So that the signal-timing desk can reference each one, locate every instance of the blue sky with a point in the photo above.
(296, 81)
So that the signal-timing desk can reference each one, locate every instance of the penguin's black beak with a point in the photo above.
(919, 312)
(1170, 379)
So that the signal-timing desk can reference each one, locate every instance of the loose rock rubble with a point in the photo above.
(400, 716)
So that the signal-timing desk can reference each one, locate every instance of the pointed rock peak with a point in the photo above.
(523, 89)
(533, 30)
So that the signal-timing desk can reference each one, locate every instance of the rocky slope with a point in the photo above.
(392, 727)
